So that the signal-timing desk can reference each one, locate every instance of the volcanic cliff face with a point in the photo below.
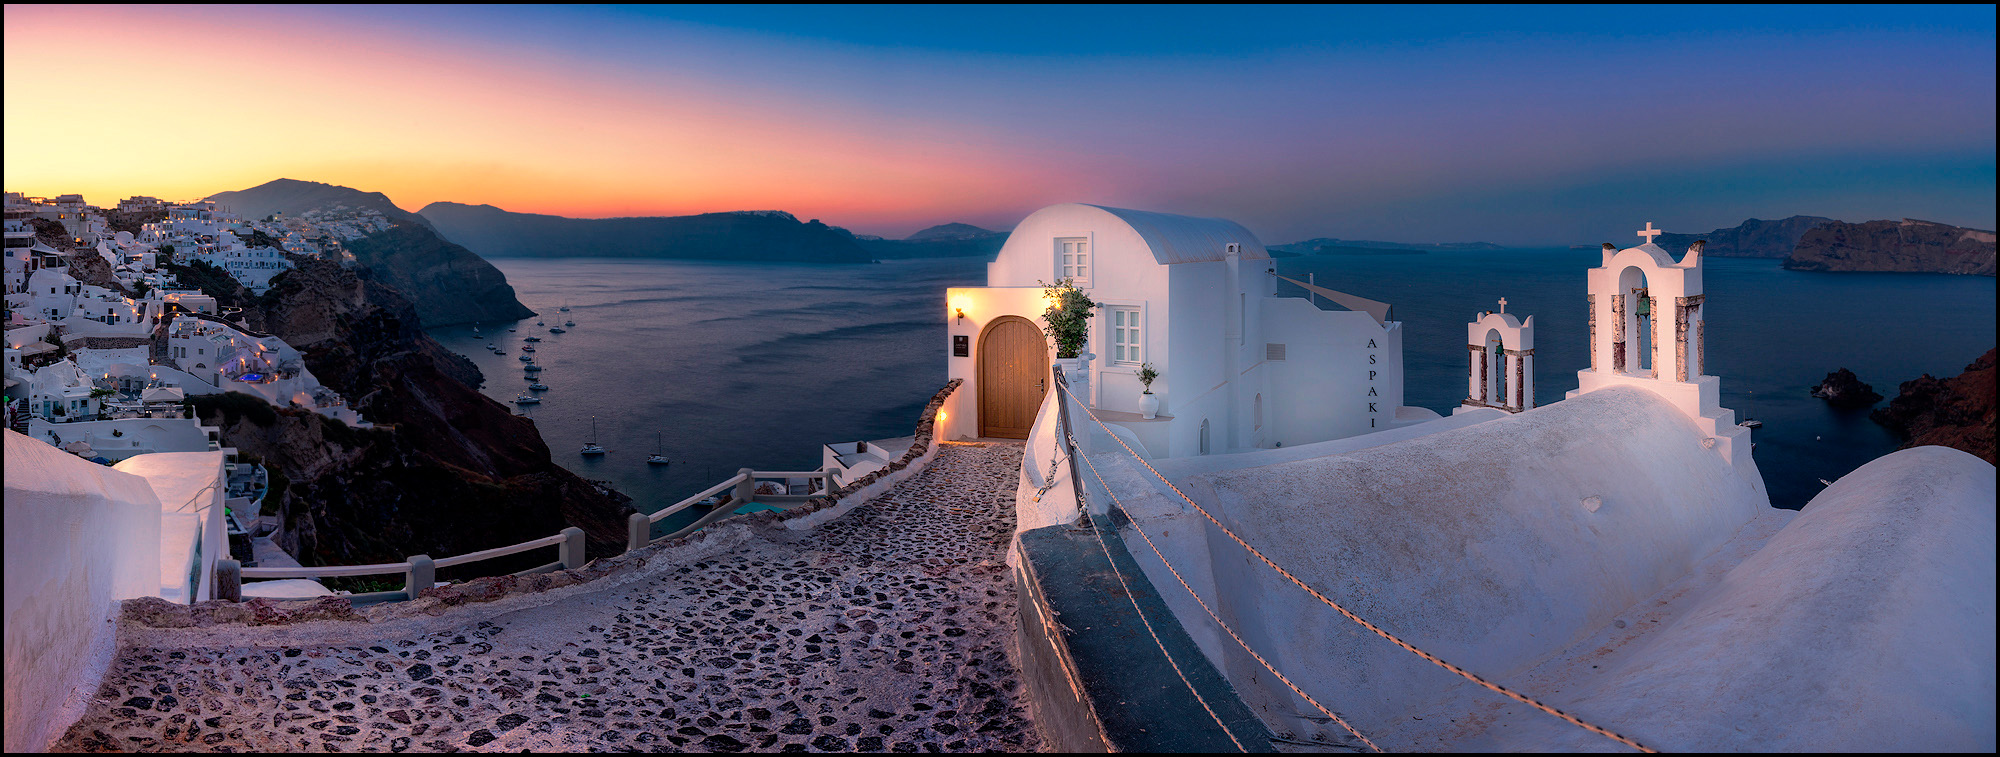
(446, 283)
(448, 471)
(1906, 246)
(1957, 412)
(1754, 238)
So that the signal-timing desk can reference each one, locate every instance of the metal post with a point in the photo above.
(229, 580)
(746, 489)
(638, 531)
(1062, 412)
(571, 549)
(422, 575)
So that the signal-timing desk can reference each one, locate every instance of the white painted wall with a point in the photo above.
(1473, 543)
(1866, 625)
(79, 536)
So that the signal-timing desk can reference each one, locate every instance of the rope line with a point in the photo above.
(1392, 638)
(1211, 614)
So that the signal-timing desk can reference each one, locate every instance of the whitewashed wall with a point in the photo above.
(1474, 543)
(79, 536)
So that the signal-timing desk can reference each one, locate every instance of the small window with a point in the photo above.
(1204, 436)
(1073, 260)
(1126, 336)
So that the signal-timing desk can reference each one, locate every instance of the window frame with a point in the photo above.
(1136, 321)
(1089, 262)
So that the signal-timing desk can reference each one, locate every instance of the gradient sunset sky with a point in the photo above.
(1512, 125)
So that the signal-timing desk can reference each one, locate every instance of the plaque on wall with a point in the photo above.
(961, 346)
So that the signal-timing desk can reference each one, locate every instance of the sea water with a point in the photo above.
(756, 365)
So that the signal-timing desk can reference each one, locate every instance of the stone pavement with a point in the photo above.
(887, 629)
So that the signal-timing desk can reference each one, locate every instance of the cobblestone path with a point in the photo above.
(884, 630)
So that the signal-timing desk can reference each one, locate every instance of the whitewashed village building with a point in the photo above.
(1196, 298)
(1615, 551)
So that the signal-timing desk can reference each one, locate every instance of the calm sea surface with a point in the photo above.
(729, 365)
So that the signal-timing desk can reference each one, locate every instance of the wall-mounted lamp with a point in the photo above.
(961, 316)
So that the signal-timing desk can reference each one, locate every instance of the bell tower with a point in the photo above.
(1500, 352)
(1646, 329)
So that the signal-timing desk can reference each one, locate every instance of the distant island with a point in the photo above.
(1753, 238)
(1906, 246)
(761, 235)
(949, 240)
(446, 283)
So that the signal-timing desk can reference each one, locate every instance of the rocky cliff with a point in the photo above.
(448, 471)
(1906, 246)
(447, 283)
(1845, 390)
(1956, 412)
(769, 235)
(1754, 238)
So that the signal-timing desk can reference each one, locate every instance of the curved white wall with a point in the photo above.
(1867, 624)
(1473, 543)
(79, 536)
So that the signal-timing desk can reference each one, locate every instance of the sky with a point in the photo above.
(1513, 125)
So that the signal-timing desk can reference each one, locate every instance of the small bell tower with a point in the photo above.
(1500, 351)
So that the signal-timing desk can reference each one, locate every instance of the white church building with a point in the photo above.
(1240, 368)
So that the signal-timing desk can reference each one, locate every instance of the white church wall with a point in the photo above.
(1331, 374)
(79, 537)
(1869, 617)
(1475, 543)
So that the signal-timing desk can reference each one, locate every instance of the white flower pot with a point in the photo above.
(1149, 405)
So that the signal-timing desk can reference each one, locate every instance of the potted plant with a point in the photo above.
(1149, 405)
(1068, 325)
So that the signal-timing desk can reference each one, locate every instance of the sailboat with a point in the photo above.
(591, 447)
(659, 457)
(564, 308)
(571, 324)
(1749, 422)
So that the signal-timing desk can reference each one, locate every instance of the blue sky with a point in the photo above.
(1517, 125)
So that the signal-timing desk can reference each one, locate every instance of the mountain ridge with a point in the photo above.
(446, 283)
(763, 235)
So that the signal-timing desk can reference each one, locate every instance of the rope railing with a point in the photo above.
(1344, 612)
(1070, 442)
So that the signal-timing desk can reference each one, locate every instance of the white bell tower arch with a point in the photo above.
(1647, 329)
(1500, 352)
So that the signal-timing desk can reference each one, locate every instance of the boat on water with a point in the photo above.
(539, 323)
(527, 348)
(527, 358)
(531, 368)
(510, 331)
(1749, 422)
(556, 330)
(658, 457)
(571, 324)
(591, 447)
(498, 351)
(539, 386)
(532, 339)
(564, 308)
(527, 399)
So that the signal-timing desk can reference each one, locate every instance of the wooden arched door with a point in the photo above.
(1013, 376)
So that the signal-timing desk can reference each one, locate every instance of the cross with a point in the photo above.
(1503, 304)
(1650, 232)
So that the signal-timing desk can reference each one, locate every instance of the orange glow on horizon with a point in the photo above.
(181, 103)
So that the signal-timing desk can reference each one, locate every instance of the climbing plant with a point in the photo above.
(1068, 316)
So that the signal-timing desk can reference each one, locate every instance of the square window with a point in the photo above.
(1073, 260)
(1127, 345)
